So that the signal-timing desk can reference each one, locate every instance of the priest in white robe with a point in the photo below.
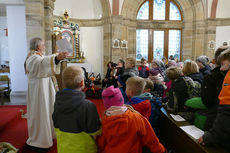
(41, 94)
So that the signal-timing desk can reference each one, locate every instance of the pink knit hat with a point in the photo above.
(112, 97)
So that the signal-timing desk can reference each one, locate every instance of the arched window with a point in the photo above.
(159, 42)
(174, 12)
(143, 12)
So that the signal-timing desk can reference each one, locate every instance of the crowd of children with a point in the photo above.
(133, 97)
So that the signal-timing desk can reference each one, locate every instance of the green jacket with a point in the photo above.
(76, 122)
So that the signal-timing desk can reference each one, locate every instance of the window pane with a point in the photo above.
(174, 43)
(159, 10)
(174, 12)
(143, 12)
(158, 45)
(142, 44)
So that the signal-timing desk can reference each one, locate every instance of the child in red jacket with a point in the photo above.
(125, 130)
(134, 88)
(143, 69)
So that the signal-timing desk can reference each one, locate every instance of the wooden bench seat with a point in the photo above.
(174, 138)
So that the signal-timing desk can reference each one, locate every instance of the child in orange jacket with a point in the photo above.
(123, 129)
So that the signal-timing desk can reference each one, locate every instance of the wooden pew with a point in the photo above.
(174, 138)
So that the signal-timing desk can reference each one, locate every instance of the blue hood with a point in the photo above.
(135, 100)
(145, 96)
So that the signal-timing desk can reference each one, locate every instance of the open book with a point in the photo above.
(64, 45)
(177, 118)
(193, 131)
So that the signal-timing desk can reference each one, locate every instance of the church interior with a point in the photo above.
(157, 37)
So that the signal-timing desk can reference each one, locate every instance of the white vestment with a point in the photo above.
(40, 99)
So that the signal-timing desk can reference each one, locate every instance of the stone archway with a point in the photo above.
(194, 25)
(105, 8)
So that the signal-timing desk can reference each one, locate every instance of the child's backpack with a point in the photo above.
(204, 118)
(194, 87)
(158, 90)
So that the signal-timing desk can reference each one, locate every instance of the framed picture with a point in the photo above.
(116, 43)
(225, 43)
(211, 44)
(68, 35)
(124, 44)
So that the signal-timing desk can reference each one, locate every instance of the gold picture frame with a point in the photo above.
(71, 31)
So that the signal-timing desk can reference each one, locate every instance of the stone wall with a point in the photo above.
(48, 15)
(197, 30)
(35, 19)
(39, 21)
(193, 25)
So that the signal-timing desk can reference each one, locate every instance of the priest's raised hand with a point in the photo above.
(62, 55)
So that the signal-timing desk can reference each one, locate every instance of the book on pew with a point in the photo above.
(193, 131)
(177, 118)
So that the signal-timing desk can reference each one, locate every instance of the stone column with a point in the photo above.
(200, 49)
(34, 19)
(48, 18)
(107, 45)
(116, 27)
(187, 39)
(116, 34)
(131, 42)
(39, 21)
(210, 32)
(122, 31)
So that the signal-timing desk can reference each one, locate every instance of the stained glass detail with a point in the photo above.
(174, 13)
(158, 45)
(159, 10)
(142, 44)
(174, 43)
(143, 12)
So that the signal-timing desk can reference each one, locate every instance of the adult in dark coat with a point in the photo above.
(113, 71)
(212, 83)
(178, 92)
(107, 80)
(220, 132)
(211, 87)
(210, 90)
(196, 77)
(178, 95)
(191, 70)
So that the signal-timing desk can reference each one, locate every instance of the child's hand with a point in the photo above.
(164, 105)
(201, 141)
